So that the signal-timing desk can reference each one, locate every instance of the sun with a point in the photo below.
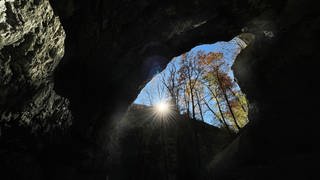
(162, 108)
(163, 112)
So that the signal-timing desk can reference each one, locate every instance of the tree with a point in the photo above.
(239, 107)
(225, 83)
(154, 91)
(219, 83)
(220, 115)
(171, 83)
(190, 73)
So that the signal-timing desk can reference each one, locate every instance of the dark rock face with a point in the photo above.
(114, 46)
(32, 44)
(148, 147)
(278, 74)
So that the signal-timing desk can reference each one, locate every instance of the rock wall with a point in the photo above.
(31, 46)
(278, 73)
(173, 148)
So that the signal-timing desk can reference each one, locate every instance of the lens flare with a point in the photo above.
(163, 108)
(162, 111)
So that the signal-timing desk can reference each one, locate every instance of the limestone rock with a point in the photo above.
(31, 46)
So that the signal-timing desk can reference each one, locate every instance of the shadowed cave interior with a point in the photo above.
(69, 71)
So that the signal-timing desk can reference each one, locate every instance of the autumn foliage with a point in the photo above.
(201, 86)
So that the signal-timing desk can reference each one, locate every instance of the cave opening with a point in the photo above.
(200, 85)
(183, 117)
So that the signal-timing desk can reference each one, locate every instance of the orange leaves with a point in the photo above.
(225, 81)
(235, 104)
(208, 59)
(182, 74)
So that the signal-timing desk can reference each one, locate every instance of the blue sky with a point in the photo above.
(229, 49)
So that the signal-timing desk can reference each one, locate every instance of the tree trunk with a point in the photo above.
(220, 110)
(192, 104)
(186, 101)
(199, 106)
(235, 95)
(227, 100)
(214, 94)
(216, 115)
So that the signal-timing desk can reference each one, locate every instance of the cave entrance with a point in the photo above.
(200, 85)
(183, 117)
